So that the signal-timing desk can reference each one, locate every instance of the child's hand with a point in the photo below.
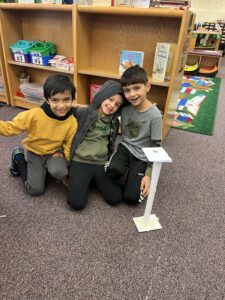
(145, 186)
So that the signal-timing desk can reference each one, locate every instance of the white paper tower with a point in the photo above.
(149, 221)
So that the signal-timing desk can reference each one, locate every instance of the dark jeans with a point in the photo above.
(121, 162)
(80, 177)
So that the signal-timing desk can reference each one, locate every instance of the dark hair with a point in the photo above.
(58, 83)
(133, 75)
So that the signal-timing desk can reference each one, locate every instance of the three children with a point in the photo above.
(50, 130)
(51, 141)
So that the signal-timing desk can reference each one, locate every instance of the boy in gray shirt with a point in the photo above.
(141, 126)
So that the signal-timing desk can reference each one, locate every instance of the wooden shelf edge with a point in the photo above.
(22, 102)
(41, 6)
(215, 53)
(165, 83)
(47, 68)
(99, 73)
(132, 11)
(107, 74)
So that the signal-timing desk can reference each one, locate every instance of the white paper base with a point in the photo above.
(151, 224)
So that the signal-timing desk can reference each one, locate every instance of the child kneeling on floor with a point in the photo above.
(141, 126)
(93, 143)
(50, 129)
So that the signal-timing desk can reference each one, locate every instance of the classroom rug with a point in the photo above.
(197, 103)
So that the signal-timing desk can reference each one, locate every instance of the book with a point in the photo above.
(94, 88)
(163, 59)
(129, 59)
(142, 3)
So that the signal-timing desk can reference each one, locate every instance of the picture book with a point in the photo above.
(130, 58)
(94, 88)
(163, 61)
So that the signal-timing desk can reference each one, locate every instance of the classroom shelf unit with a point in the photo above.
(94, 36)
(205, 58)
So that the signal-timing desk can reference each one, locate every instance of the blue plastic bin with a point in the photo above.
(41, 60)
(20, 50)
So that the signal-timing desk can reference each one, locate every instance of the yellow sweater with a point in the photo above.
(44, 134)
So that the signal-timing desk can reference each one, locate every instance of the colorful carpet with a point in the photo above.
(196, 108)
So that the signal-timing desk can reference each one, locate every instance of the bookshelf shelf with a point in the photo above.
(29, 65)
(106, 74)
(131, 11)
(159, 83)
(100, 72)
(22, 102)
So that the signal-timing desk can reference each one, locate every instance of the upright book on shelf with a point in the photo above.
(130, 58)
(163, 61)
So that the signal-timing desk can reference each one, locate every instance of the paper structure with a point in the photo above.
(156, 154)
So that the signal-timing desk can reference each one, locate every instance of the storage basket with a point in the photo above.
(41, 60)
(43, 49)
(20, 50)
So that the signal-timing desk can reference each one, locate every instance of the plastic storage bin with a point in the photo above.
(41, 53)
(20, 50)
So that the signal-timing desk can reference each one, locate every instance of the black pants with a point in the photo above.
(123, 162)
(80, 177)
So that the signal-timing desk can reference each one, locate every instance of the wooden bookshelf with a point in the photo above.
(94, 36)
(103, 31)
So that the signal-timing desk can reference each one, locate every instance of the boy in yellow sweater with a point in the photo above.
(50, 129)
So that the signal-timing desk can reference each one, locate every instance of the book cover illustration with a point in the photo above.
(94, 88)
(130, 58)
(163, 61)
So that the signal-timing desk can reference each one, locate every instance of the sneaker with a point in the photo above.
(18, 151)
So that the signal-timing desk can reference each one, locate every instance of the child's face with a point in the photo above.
(136, 93)
(110, 105)
(60, 103)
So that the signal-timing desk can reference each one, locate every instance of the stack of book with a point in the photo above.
(180, 4)
(33, 92)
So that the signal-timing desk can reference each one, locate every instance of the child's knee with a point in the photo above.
(113, 173)
(34, 190)
(58, 173)
(131, 198)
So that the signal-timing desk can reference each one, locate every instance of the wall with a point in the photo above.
(208, 10)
